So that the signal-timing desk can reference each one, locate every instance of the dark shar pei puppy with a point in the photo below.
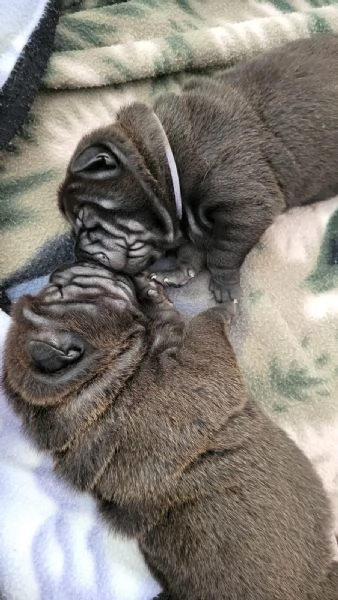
(153, 419)
(207, 171)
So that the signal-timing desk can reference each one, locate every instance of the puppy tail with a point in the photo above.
(329, 589)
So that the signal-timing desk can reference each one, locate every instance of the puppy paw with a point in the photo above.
(176, 278)
(225, 292)
(147, 289)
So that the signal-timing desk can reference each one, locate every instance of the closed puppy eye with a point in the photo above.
(96, 162)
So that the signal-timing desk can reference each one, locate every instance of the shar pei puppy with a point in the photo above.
(151, 416)
(203, 173)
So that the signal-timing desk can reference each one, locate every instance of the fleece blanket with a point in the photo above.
(52, 543)
(26, 41)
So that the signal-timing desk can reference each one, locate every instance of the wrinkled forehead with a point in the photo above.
(98, 221)
(88, 216)
(124, 196)
(123, 199)
(84, 279)
(110, 206)
(83, 288)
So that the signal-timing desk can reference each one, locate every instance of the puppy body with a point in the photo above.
(152, 417)
(249, 143)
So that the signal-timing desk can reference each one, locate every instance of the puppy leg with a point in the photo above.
(190, 261)
(167, 325)
(250, 201)
(224, 260)
(233, 236)
(224, 284)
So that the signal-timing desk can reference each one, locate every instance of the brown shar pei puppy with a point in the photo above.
(207, 171)
(152, 417)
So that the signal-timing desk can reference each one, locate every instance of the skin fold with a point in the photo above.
(151, 416)
(248, 143)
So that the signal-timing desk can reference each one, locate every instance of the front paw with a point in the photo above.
(149, 290)
(167, 324)
(176, 278)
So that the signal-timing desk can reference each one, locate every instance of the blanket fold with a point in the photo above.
(187, 41)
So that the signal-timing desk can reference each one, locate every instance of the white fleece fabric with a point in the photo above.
(18, 19)
(54, 545)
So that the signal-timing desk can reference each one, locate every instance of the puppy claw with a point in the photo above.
(148, 288)
(176, 278)
(152, 292)
(232, 308)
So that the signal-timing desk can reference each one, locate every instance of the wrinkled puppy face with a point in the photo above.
(85, 324)
(114, 200)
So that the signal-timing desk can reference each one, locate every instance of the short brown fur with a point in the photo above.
(153, 419)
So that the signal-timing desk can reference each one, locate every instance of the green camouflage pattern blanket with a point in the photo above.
(108, 53)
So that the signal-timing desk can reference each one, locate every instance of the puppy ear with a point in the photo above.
(96, 162)
(50, 358)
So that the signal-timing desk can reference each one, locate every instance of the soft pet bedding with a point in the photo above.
(26, 42)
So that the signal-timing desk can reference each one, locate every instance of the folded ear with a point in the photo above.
(145, 155)
(50, 357)
(96, 162)
(131, 159)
